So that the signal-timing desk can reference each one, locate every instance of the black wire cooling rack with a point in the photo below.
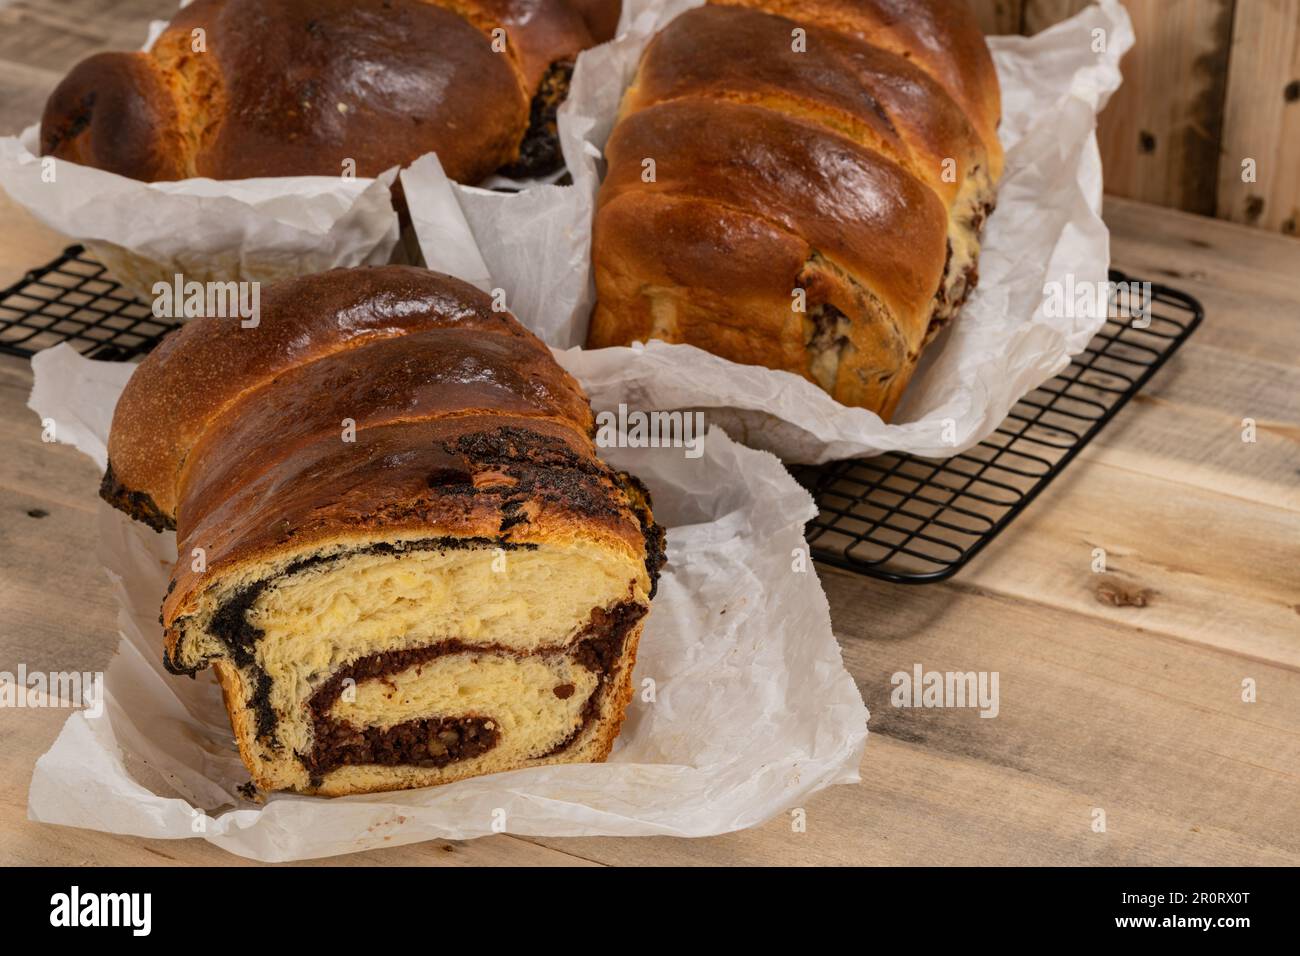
(897, 517)
(70, 300)
(916, 520)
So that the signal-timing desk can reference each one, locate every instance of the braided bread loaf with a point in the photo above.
(297, 87)
(397, 546)
(821, 173)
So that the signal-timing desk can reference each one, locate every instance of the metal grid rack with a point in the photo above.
(896, 517)
(70, 300)
(915, 520)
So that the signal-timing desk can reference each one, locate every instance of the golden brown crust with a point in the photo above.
(942, 37)
(492, 477)
(849, 203)
(620, 697)
(372, 414)
(114, 112)
(722, 252)
(242, 722)
(299, 87)
(806, 202)
(202, 369)
(601, 17)
(542, 31)
(865, 93)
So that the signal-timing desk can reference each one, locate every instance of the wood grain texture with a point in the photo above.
(1249, 275)
(1092, 715)
(40, 40)
(1160, 133)
(1208, 85)
(1262, 118)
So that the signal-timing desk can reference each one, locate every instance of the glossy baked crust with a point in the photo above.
(821, 173)
(235, 89)
(372, 415)
(601, 17)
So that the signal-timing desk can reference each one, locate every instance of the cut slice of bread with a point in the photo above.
(399, 550)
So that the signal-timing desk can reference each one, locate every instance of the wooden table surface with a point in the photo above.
(1119, 691)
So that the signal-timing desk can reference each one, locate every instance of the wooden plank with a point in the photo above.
(56, 34)
(1181, 561)
(1223, 375)
(26, 89)
(1151, 437)
(1160, 135)
(1245, 278)
(998, 16)
(1262, 118)
(45, 473)
(41, 40)
(1092, 715)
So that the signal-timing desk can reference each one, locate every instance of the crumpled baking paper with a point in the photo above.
(1047, 226)
(254, 230)
(753, 709)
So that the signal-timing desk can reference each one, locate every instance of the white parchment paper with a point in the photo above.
(256, 230)
(1047, 227)
(753, 709)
